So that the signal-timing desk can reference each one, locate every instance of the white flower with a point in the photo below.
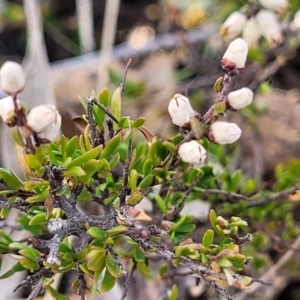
(295, 24)
(240, 98)
(235, 56)
(233, 25)
(12, 78)
(224, 133)
(269, 26)
(180, 110)
(277, 5)
(44, 121)
(251, 33)
(7, 109)
(192, 152)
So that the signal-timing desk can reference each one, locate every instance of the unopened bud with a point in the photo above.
(192, 152)
(234, 59)
(180, 110)
(45, 122)
(277, 5)
(12, 78)
(233, 25)
(7, 109)
(269, 26)
(223, 133)
(251, 33)
(240, 98)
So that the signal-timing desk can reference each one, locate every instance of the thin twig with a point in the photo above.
(105, 109)
(96, 136)
(128, 281)
(125, 187)
(35, 291)
(225, 193)
(122, 85)
(273, 197)
(179, 207)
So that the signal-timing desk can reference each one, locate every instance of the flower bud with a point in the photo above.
(12, 78)
(233, 25)
(180, 110)
(269, 26)
(240, 98)
(234, 59)
(192, 152)
(277, 5)
(45, 122)
(251, 33)
(7, 109)
(223, 133)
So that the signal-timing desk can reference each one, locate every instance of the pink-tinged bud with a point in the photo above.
(233, 25)
(192, 152)
(277, 5)
(7, 109)
(295, 24)
(224, 133)
(269, 26)
(45, 122)
(234, 59)
(12, 78)
(240, 98)
(251, 33)
(180, 110)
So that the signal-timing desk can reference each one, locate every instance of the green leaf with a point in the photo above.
(63, 147)
(6, 236)
(163, 269)
(10, 179)
(116, 102)
(213, 221)
(114, 160)
(72, 146)
(146, 182)
(83, 101)
(15, 268)
(94, 165)
(112, 266)
(147, 167)
(174, 293)
(15, 133)
(33, 184)
(96, 233)
(116, 230)
(170, 146)
(161, 204)
(29, 253)
(132, 180)
(80, 160)
(40, 219)
(104, 99)
(97, 261)
(56, 294)
(208, 238)
(135, 198)
(111, 146)
(108, 282)
(36, 198)
(74, 171)
(138, 122)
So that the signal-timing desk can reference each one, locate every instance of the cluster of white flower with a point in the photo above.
(263, 23)
(43, 122)
(182, 113)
